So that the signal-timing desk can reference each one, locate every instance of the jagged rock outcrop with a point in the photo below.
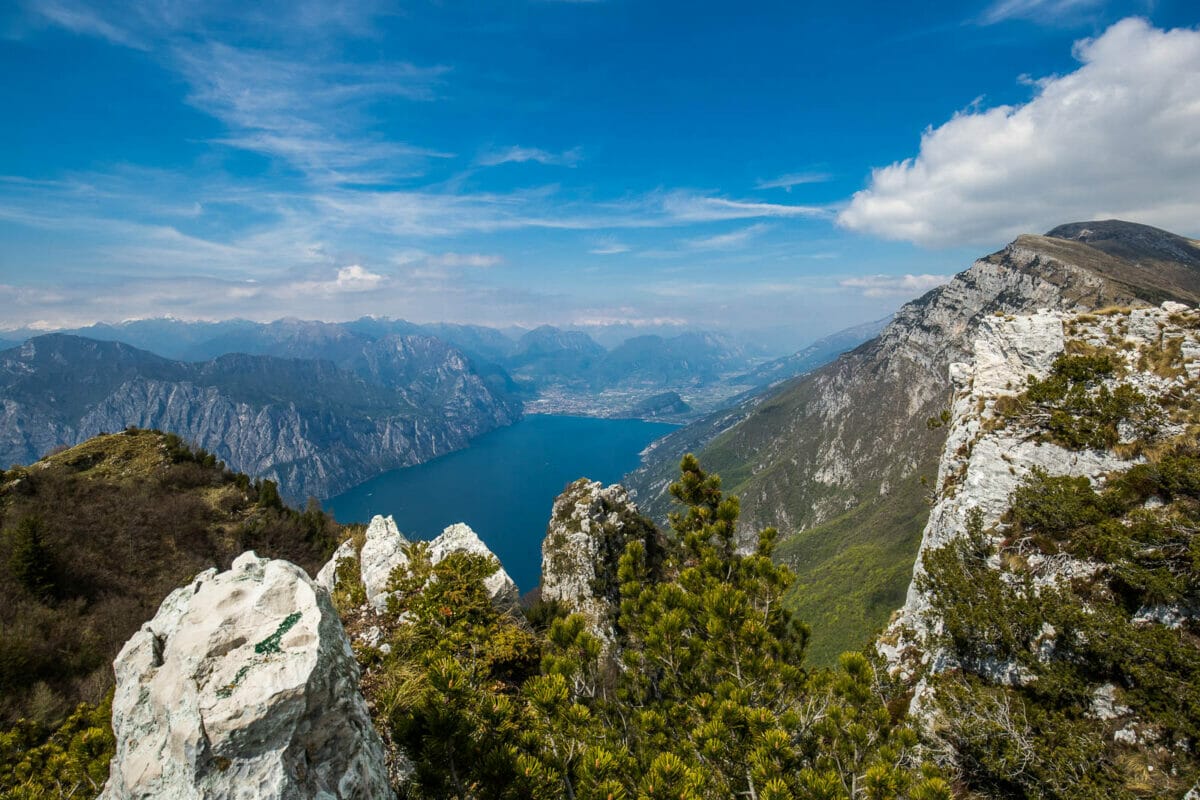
(383, 551)
(313, 427)
(988, 454)
(589, 528)
(327, 575)
(243, 686)
(835, 459)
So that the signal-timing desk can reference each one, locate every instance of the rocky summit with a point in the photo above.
(590, 526)
(243, 685)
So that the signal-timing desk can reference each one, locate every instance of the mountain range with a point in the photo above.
(839, 460)
(319, 407)
(313, 426)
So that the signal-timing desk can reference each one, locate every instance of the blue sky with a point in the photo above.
(783, 169)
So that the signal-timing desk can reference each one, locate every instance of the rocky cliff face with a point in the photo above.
(835, 459)
(989, 453)
(243, 686)
(589, 528)
(312, 427)
(1049, 635)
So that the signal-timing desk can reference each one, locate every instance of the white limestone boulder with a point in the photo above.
(459, 538)
(383, 551)
(589, 528)
(243, 686)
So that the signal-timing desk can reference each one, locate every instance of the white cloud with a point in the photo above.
(518, 155)
(608, 246)
(728, 241)
(690, 207)
(355, 278)
(475, 260)
(1115, 138)
(1037, 10)
(894, 285)
(786, 182)
(352, 279)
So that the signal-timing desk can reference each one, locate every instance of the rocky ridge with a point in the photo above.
(243, 685)
(989, 452)
(835, 459)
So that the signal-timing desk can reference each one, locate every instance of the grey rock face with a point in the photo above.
(314, 428)
(327, 576)
(983, 463)
(589, 528)
(382, 552)
(243, 686)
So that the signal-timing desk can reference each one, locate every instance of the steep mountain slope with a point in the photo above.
(836, 459)
(95, 536)
(314, 428)
(1055, 604)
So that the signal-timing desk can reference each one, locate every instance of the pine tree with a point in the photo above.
(30, 560)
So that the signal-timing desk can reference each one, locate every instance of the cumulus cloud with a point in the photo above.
(893, 285)
(356, 278)
(351, 279)
(1115, 138)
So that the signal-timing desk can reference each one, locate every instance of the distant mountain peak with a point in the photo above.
(1131, 240)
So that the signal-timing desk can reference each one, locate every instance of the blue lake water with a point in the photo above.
(504, 484)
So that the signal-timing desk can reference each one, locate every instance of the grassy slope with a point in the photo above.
(853, 571)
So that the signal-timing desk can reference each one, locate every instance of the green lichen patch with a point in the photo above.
(227, 690)
(271, 643)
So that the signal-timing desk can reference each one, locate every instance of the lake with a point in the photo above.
(504, 484)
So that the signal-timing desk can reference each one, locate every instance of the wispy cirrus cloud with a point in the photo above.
(520, 155)
(1042, 11)
(792, 179)
(685, 206)
(728, 241)
(608, 246)
(314, 115)
(296, 100)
